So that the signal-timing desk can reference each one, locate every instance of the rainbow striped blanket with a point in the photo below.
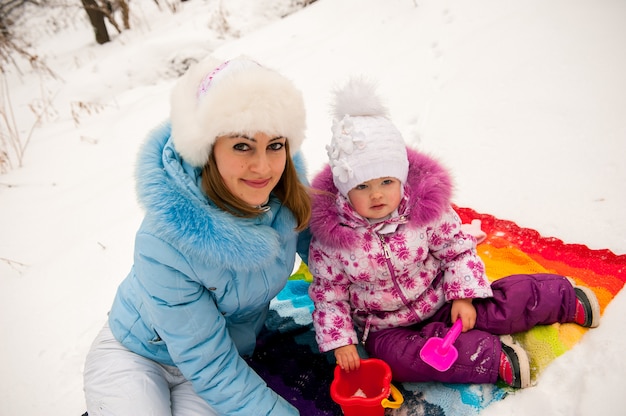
(288, 359)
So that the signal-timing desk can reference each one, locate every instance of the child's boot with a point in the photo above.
(514, 364)
(587, 307)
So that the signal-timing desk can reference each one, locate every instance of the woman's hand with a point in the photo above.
(348, 358)
(464, 310)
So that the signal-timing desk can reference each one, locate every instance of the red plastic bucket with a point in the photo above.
(372, 379)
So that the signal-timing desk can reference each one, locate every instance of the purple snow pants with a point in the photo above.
(519, 303)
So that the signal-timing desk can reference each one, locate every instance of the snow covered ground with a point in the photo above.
(524, 101)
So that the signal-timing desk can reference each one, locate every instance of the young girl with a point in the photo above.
(388, 256)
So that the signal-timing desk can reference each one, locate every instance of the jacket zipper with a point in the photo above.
(387, 252)
(405, 300)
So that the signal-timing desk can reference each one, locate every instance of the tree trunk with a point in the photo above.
(125, 13)
(96, 17)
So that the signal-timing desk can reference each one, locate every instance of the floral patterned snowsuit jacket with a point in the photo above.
(377, 281)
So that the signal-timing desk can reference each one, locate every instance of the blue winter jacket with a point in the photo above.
(199, 290)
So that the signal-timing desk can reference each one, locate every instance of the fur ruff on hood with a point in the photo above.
(243, 98)
(428, 193)
(178, 213)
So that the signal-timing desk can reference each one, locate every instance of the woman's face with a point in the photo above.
(250, 166)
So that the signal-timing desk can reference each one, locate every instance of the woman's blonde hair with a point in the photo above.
(289, 190)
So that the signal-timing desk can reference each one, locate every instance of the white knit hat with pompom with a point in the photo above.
(365, 144)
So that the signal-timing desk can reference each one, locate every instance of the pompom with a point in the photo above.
(358, 98)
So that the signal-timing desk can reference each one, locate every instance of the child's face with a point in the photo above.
(376, 198)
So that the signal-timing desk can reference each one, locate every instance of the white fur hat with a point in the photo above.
(365, 143)
(235, 97)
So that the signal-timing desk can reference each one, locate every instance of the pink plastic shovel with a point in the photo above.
(439, 353)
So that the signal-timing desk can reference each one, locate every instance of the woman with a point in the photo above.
(225, 214)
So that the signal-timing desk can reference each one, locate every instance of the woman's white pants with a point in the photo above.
(118, 382)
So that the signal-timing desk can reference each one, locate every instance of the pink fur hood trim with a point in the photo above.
(427, 195)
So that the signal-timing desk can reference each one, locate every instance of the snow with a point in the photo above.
(523, 101)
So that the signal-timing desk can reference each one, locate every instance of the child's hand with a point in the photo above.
(348, 358)
(465, 311)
